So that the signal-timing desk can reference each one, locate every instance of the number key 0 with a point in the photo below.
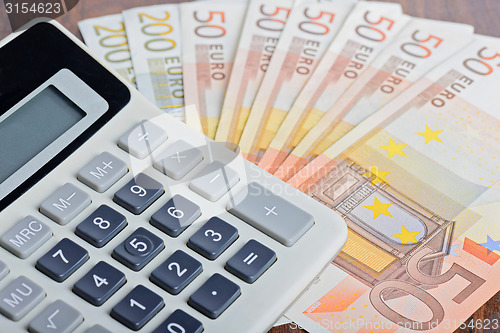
(213, 238)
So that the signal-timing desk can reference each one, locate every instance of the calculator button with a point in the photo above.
(271, 214)
(4, 270)
(251, 261)
(139, 193)
(102, 172)
(178, 159)
(137, 308)
(26, 237)
(214, 296)
(138, 249)
(99, 284)
(59, 317)
(63, 260)
(180, 321)
(178, 214)
(20, 297)
(179, 270)
(65, 204)
(142, 139)
(213, 238)
(97, 329)
(214, 181)
(101, 226)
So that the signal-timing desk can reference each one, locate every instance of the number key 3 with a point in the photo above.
(213, 238)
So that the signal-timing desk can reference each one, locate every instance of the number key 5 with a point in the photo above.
(138, 249)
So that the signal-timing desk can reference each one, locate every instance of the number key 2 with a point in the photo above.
(213, 238)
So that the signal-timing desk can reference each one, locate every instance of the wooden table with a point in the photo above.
(483, 14)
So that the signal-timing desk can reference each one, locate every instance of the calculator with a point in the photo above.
(115, 217)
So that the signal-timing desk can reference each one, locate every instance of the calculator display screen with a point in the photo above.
(36, 124)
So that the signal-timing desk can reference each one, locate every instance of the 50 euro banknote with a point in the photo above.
(154, 34)
(210, 34)
(418, 184)
(420, 46)
(370, 27)
(106, 38)
(261, 31)
(309, 31)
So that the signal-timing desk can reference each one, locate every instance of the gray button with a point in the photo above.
(97, 329)
(102, 172)
(20, 297)
(142, 139)
(178, 159)
(214, 181)
(4, 270)
(57, 318)
(271, 214)
(26, 237)
(64, 204)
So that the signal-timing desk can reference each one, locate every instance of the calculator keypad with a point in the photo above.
(143, 139)
(102, 172)
(176, 272)
(20, 297)
(137, 308)
(65, 204)
(26, 237)
(62, 260)
(251, 261)
(174, 217)
(138, 249)
(99, 284)
(58, 317)
(139, 193)
(180, 321)
(215, 296)
(178, 159)
(101, 226)
(213, 238)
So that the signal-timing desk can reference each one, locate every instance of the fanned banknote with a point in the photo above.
(210, 33)
(106, 38)
(264, 22)
(154, 34)
(309, 31)
(420, 194)
(367, 31)
(420, 46)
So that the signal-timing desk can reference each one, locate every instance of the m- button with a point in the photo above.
(65, 204)
(26, 237)
(102, 172)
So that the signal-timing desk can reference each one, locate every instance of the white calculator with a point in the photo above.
(115, 217)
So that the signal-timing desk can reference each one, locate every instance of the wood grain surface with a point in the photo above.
(482, 14)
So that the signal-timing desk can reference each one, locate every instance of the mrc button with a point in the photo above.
(26, 237)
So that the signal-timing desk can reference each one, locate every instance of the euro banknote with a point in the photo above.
(420, 46)
(263, 25)
(106, 37)
(420, 193)
(210, 34)
(309, 31)
(154, 34)
(368, 30)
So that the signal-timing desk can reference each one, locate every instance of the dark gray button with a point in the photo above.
(97, 329)
(139, 193)
(178, 159)
(138, 249)
(62, 260)
(65, 204)
(104, 171)
(271, 214)
(59, 317)
(180, 321)
(214, 181)
(101, 226)
(20, 297)
(213, 238)
(4, 270)
(178, 214)
(26, 237)
(143, 139)
(179, 270)
(251, 261)
(214, 296)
